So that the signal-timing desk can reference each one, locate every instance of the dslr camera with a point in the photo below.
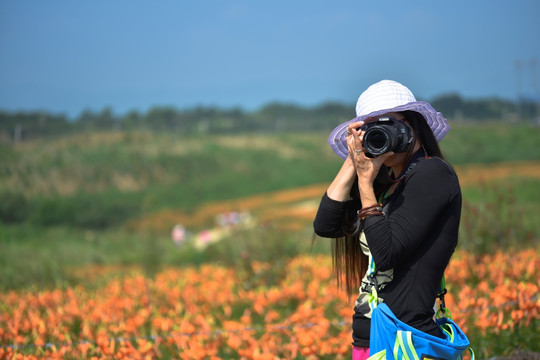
(386, 134)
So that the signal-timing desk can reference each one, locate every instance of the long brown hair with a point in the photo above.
(348, 261)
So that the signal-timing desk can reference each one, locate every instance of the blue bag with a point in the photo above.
(392, 339)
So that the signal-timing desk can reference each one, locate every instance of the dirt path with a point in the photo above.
(475, 174)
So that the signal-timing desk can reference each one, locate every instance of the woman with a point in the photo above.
(402, 207)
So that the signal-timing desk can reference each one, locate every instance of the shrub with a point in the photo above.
(497, 221)
(14, 207)
(83, 211)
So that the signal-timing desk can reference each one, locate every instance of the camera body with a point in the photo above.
(386, 134)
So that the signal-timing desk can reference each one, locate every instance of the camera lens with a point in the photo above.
(377, 141)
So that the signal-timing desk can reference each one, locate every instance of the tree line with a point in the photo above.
(273, 117)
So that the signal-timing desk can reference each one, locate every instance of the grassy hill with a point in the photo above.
(112, 197)
(166, 169)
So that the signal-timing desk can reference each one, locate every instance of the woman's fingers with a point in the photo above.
(355, 137)
(352, 141)
(354, 126)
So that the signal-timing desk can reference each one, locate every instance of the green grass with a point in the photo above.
(500, 214)
(490, 143)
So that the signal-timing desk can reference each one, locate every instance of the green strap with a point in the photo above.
(443, 285)
(444, 313)
(405, 344)
(396, 348)
(449, 330)
(381, 355)
(443, 310)
(471, 352)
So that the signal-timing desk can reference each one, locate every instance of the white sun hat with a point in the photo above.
(381, 98)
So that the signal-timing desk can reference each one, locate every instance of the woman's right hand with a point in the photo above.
(367, 168)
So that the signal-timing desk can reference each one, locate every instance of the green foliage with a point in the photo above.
(44, 258)
(522, 343)
(456, 107)
(14, 207)
(500, 215)
(489, 143)
(84, 211)
(19, 126)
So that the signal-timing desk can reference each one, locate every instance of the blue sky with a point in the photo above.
(67, 56)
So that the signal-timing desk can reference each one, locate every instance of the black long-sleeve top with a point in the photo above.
(416, 238)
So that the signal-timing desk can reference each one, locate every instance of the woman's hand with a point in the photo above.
(366, 168)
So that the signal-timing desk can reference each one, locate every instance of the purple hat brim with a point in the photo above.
(435, 120)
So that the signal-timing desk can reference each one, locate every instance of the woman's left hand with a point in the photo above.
(367, 168)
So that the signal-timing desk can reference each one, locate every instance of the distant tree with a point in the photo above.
(163, 118)
(448, 104)
(22, 126)
(132, 120)
(454, 106)
(274, 116)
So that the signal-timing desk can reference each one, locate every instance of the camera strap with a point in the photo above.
(409, 166)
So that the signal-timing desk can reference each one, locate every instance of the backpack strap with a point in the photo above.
(404, 347)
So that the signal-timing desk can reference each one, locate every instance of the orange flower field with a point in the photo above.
(213, 312)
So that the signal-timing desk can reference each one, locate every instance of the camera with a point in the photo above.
(386, 134)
